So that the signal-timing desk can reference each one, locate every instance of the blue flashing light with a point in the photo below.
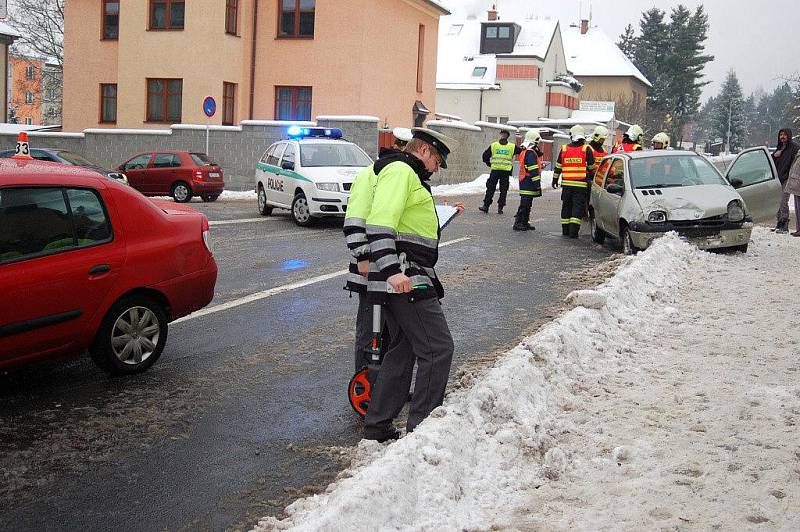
(318, 132)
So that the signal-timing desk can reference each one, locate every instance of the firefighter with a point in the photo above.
(599, 150)
(631, 140)
(529, 179)
(499, 156)
(660, 141)
(573, 167)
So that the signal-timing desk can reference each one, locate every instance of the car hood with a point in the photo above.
(688, 203)
(339, 174)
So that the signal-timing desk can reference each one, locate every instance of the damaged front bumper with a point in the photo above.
(703, 235)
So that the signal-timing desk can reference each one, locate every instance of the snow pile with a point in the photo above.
(581, 425)
(239, 195)
(478, 185)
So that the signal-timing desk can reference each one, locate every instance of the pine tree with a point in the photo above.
(704, 130)
(627, 42)
(652, 46)
(729, 113)
(794, 109)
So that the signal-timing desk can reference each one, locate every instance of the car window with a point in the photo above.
(35, 221)
(41, 155)
(89, 217)
(74, 158)
(201, 159)
(616, 174)
(681, 170)
(333, 154)
(166, 160)
(751, 168)
(275, 156)
(601, 172)
(138, 162)
(288, 154)
(267, 153)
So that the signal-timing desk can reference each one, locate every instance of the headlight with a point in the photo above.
(657, 217)
(735, 211)
(330, 187)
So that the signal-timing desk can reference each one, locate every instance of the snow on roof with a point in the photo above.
(460, 63)
(14, 129)
(5, 29)
(594, 54)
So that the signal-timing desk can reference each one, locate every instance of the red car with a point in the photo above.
(180, 174)
(89, 263)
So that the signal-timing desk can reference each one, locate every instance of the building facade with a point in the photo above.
(7, 37)
(150, 63)
(34, 96)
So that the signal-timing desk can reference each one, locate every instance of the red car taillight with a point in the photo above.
(198, 174)
(206, 234)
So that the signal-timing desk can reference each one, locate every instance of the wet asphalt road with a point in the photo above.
(246, 409)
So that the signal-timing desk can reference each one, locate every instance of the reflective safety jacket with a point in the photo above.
(502, 157)
(355, 224)
(530, 180)
(621, 147)
(574, 162)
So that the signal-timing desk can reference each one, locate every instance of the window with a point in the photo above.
(616, 175)
(42, 221)
(751, 168)
(110, 19)
(296, 18)
(492, 119)
(275, 153)
(503, 120)
(503, 32)
(138, 163)
(333, 154)
(166, 160)
(498, 38)
(288, 155)
(478, 72)
(293, 103)
(228, 102)
(455, 29)
(29, 121)
(601, 172)
(28, 97)
(491, 32)
(108, 103)
(164, 100)
(30, 72)
(166, 14)
(231, 16)
(420, 56)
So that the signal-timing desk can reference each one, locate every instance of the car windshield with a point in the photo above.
(74, 158)
(201, 159)
(333, 154)
(679, 170)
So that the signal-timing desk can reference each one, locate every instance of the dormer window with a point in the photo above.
(498, 38)
(478, 72)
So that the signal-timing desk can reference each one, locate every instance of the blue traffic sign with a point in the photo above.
(209, 106)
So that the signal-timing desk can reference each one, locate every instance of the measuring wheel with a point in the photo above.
(358, 392)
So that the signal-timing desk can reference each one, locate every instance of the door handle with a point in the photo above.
(100, 268)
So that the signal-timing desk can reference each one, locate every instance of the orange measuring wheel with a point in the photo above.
(358, 392)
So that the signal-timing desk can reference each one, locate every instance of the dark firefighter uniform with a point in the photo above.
(530, 186)
(573, 167)
(499, 156)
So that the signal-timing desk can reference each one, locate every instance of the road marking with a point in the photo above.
(241, 221)
(281, 289)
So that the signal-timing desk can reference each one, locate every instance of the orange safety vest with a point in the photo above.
(529, 185)
(573, 165)
(625, 147)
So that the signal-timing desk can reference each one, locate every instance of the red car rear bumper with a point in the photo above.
(208, 187)
(190, 292)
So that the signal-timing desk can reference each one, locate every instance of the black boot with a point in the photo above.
(484, 208)
(531, 227)
(519, 226)
(499, 209)
(574, 229)
(564, 229)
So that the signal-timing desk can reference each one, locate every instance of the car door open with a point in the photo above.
(755, 178)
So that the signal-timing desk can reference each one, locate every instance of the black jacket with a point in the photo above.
(783, 163)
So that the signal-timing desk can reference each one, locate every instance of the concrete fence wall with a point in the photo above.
(237, 148)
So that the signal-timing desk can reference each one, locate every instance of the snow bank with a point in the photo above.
(478, 185)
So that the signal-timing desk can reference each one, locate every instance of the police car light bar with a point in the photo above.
(324, 132)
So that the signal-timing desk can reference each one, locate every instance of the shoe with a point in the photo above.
(499, 210)
(574, 230)
(531, 227)
(483, 208)
(781, 231)
(796, 233)
(564, 229)
(381, 437)
(520, 227)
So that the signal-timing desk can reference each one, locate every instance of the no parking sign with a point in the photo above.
(209, 106)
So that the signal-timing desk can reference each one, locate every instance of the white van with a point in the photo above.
(310, 174)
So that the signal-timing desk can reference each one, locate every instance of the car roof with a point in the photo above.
(319, 140)
(35, 172)
(646, 154)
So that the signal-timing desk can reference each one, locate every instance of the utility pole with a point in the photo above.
(730, 109)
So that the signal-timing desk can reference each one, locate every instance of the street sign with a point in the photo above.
(209, 106)
(589, 105)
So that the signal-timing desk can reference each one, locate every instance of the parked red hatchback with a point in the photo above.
(89, 263)
(180, 174)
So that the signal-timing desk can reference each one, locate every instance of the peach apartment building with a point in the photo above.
(150, 63)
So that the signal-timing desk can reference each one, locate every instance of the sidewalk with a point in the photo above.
(667, 398)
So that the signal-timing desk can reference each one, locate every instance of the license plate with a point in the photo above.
(213, 174)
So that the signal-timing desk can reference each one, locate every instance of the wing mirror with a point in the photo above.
(615, 189)
(287, 165)
(737, 183)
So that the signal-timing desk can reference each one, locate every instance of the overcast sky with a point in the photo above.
(760, 40)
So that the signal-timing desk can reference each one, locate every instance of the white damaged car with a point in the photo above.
(638, 196)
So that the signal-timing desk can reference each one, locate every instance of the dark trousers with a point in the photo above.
(419, 332)
(496, 176)
(573, 205)
(782, 217)
(524, 211)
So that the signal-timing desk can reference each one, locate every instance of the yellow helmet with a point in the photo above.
(600, 134)
(532, 138)
(661, 138)
(577, 132)
(635, 133)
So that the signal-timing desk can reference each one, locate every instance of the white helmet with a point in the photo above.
(662, 138)
(635, 133)
(600, 134)
(532, 138)
(402, 134)
(577, 132)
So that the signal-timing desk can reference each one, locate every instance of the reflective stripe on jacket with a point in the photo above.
(529, 176)
(574, 166)
(621, 147)
(502, 156)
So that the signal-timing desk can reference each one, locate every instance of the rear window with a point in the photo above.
(201, 159)
(74, 158)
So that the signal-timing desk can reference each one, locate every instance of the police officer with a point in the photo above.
(403, 235)
(631, 140)
(530, 180)
(660, 141)
(573, 165)
(499, 156)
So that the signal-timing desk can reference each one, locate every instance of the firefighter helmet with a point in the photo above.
(635, 133)
(600, 134)
(661, 138)
(577, 133)
(532, 138)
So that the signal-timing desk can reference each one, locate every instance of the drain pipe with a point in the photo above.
(253, 57)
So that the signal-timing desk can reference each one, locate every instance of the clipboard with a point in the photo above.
(446, 213)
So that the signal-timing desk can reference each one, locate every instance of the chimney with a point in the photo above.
(584, 27)
(492, 15)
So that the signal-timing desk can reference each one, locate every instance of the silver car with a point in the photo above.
(636, 197)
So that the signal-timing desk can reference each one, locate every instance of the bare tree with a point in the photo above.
(41, 25)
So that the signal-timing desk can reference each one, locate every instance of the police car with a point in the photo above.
(310, 174)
